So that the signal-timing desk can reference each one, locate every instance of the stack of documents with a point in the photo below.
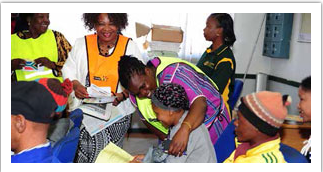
(94, 125)
(97, 111)
(158, 53)
(95, 105)
(99, 95)
(164, 46)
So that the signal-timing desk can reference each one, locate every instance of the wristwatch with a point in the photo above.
(55, 71)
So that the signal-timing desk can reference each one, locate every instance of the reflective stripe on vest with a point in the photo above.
(226, 90)
(145, 108)
(103, 71)
(144, 104)
(30, 49)
(166, 61)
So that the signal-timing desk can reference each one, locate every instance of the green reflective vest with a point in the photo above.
(144, 104)
(31, 49)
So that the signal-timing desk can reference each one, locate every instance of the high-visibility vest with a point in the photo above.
(103, 71)
(30, 49)
(144, 104)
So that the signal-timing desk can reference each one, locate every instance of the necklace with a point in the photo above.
(104, 50)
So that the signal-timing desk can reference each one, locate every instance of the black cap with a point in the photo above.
(33, 101)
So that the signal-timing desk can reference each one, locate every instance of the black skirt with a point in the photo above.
(90, 147)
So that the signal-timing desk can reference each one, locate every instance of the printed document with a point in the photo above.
(99, 95)
(94, 125)
(113, 154)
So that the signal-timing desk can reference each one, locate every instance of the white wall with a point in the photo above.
(246, 27)
(69, 24)
(289, 90)
(296, 68)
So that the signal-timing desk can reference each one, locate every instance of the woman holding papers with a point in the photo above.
(37, 47)
(94, 62)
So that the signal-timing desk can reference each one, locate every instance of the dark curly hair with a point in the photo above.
(21, 22)
(225, 21)
(172, 95)
(128, 66)
(306, 84)
(120, 20)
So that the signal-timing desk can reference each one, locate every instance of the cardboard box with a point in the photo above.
(166, 33)
(141, 30)
(160, 32)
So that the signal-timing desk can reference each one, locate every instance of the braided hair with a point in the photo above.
(225, 21)
(127, 67)
(172, 95)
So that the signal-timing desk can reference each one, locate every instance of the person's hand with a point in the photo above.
(138, 158)
(119, 98)
(80, 90)
(179, 142)
(17, 64)
(43, 61)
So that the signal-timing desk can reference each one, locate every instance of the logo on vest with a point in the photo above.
(209, 64)
(103, 78)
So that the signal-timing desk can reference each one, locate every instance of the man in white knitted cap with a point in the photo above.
(260, 116)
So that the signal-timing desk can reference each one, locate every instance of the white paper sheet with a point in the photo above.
(95, 125)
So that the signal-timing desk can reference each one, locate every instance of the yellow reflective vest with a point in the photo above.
(144, 104)
(30, 49)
